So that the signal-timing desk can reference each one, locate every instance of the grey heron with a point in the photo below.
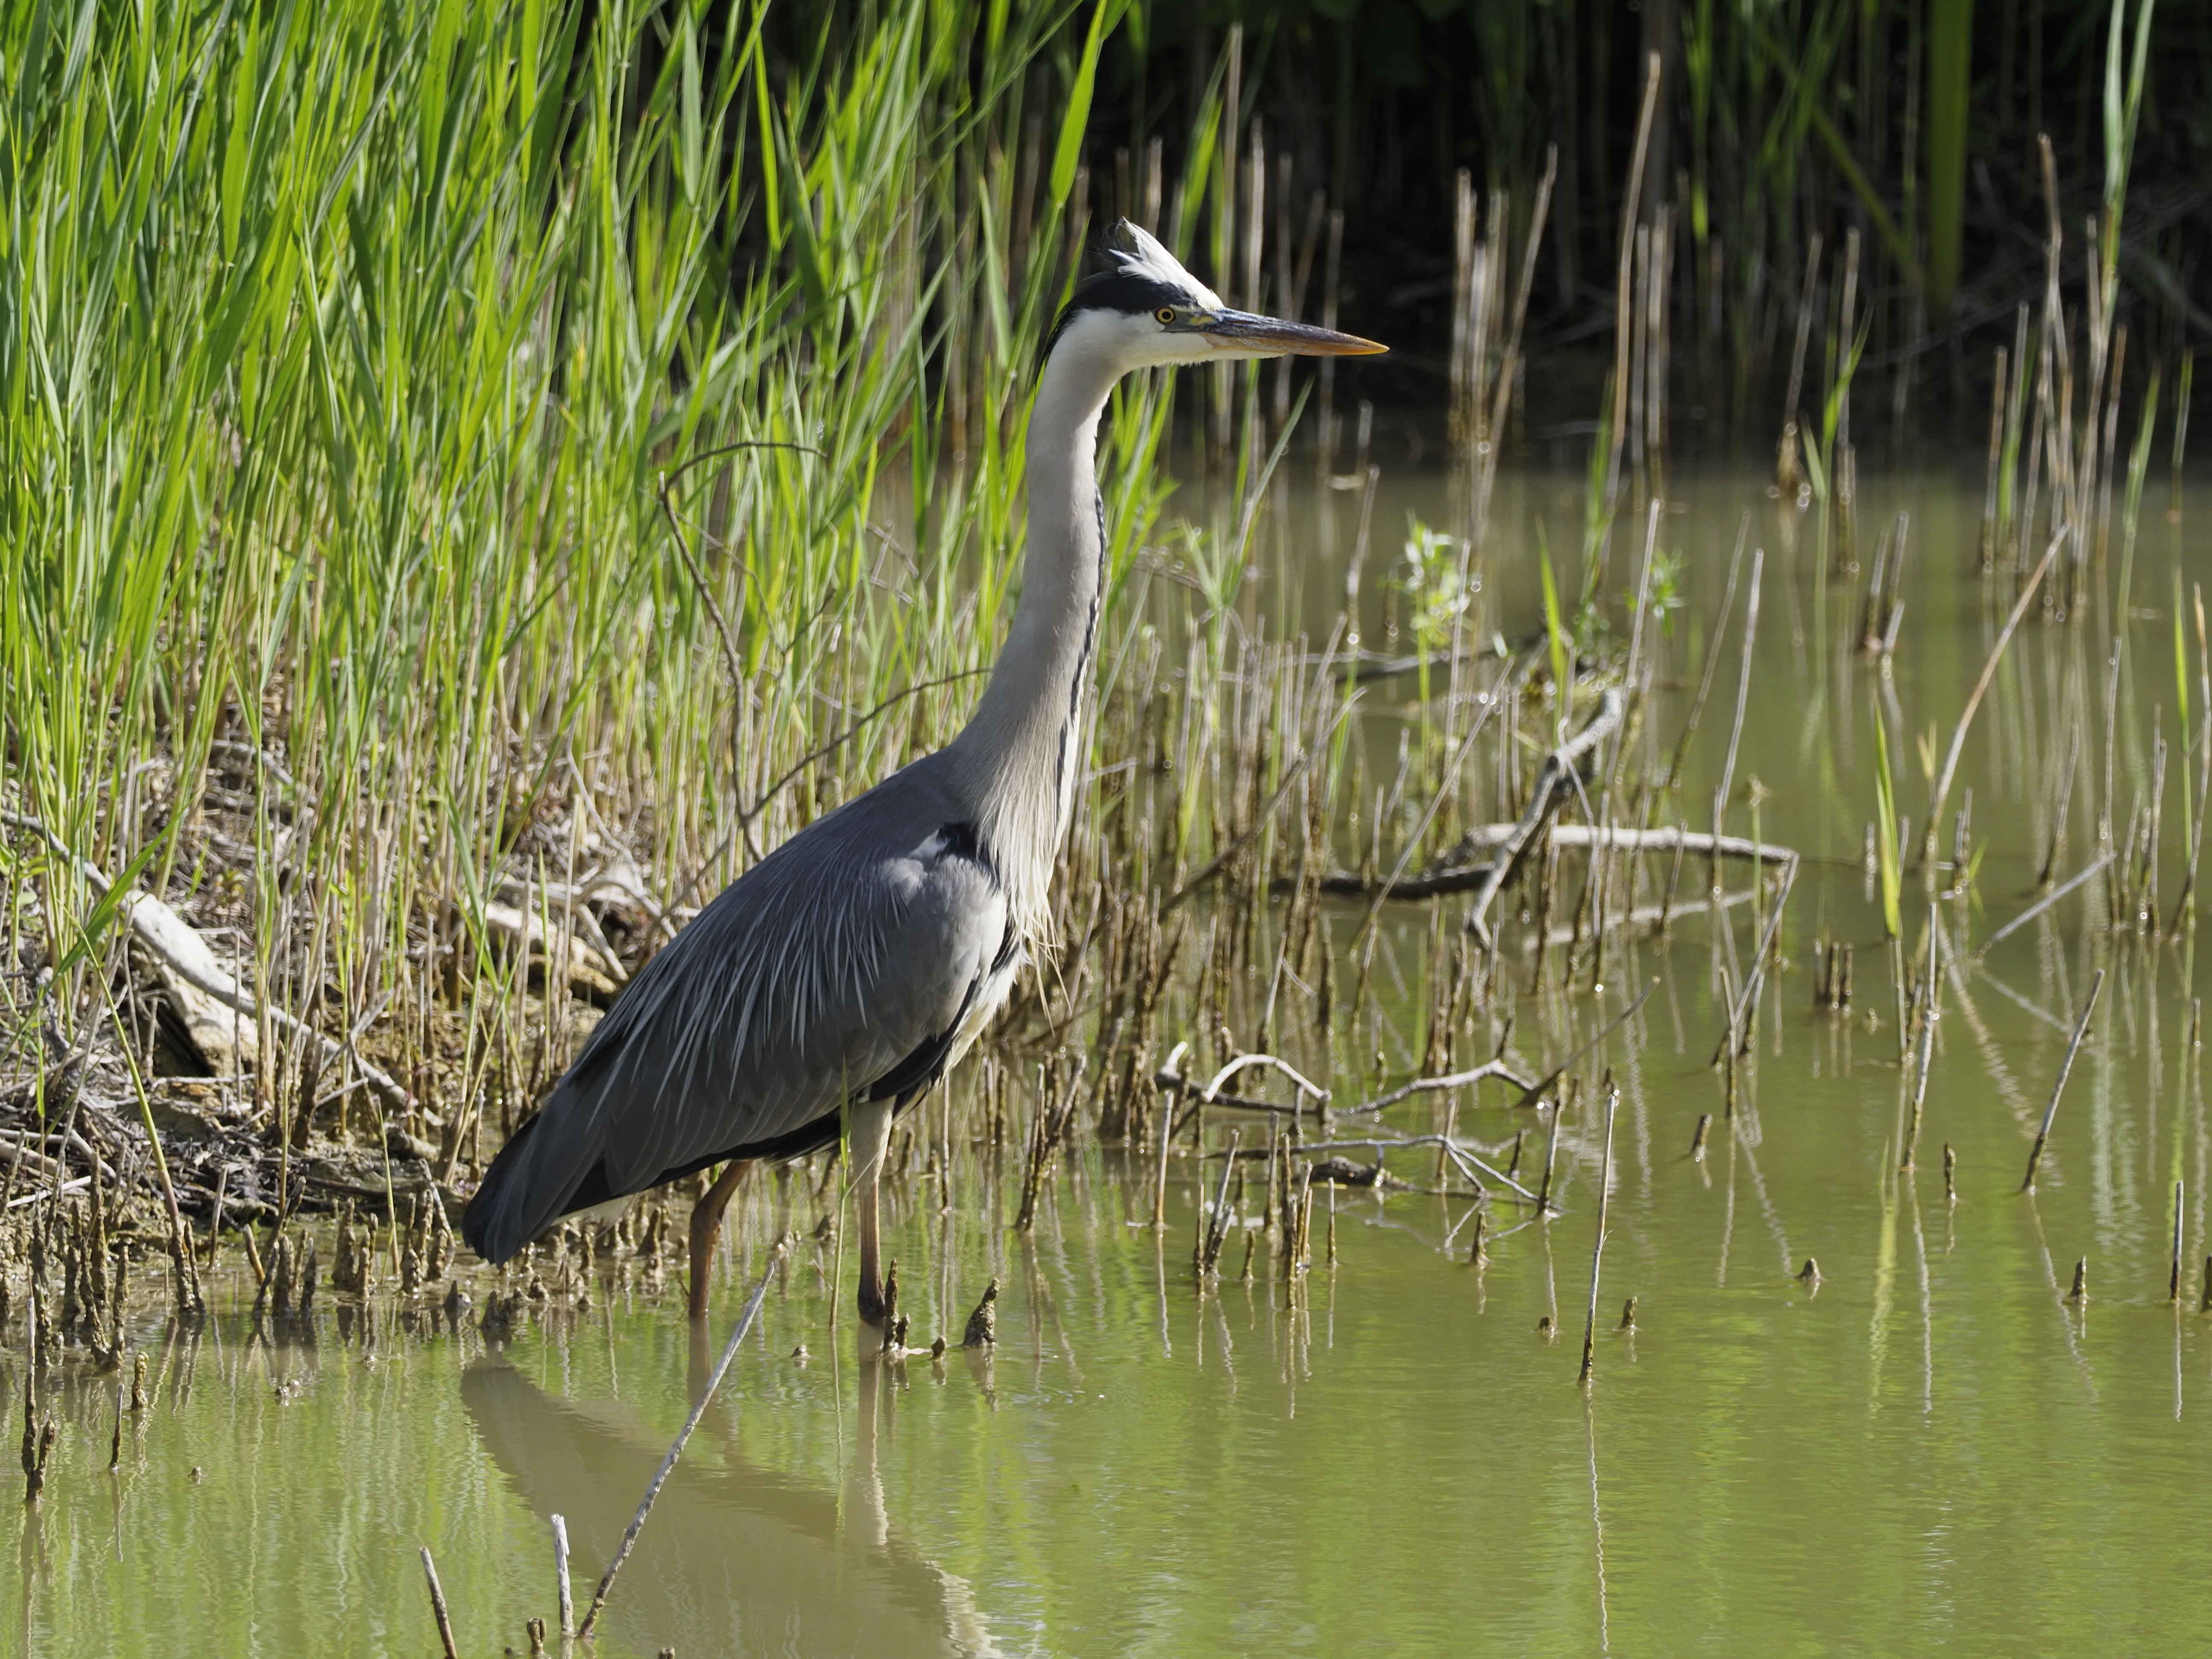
(832, 984)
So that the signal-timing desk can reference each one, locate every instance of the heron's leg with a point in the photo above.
(868, 1125)
(707, 1227)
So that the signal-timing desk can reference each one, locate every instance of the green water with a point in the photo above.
(1935, 1450)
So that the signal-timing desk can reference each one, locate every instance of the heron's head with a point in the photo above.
(1145, 310)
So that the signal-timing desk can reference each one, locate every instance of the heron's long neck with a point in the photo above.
(1020, 752)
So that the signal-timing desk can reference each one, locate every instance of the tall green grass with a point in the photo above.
(345, 352)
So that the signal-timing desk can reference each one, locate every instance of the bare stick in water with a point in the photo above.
(2073, 1047)
(1621, 286)
(438, 1605)
(660, 1475)
(1928, 1018)
(1597, 1250)
(2041, 905)
(1543, 1085)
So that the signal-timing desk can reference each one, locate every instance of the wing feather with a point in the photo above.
(845, 953)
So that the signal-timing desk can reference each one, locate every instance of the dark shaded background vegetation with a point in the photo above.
(1913, 122)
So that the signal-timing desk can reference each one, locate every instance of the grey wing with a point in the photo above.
(840, 966)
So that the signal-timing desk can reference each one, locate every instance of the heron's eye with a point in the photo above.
(1166, 314)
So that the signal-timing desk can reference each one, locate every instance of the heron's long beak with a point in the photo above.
(1240, 330)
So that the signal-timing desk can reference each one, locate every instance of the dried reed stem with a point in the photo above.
(2073, 1047)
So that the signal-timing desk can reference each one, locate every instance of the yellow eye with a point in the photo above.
(1166, 314)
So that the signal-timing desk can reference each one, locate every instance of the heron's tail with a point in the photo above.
(507, 1210)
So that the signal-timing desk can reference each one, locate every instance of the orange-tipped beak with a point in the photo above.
(1240, 330)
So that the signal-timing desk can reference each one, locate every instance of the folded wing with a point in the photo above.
(840, 966)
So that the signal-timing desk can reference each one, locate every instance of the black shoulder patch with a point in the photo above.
(964, 839)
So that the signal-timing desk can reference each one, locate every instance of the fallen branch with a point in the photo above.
(1377, 665)
(1496, 1068)
(1211, 1093)
(1454, 1149)
(587, 965)
(1507, 685)
(1176, 1082)
(1455, 877)
(67, 1189)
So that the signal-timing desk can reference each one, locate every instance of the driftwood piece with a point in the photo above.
(228, 1040)
(1179, 1084)
(176, 944)
(553, 924)
(1544, 800)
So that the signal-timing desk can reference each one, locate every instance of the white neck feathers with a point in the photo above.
(1020, 756)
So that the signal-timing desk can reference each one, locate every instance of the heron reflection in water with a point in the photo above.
(738, 1559)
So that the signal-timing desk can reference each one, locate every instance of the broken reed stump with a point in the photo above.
(567, 1602)
(982, 1330)
(39, 1438)
(1216, 1224)
(1551, 1158)
(2050, 1112)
